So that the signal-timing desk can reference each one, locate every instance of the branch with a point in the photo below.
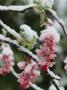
(55, 84)
(21, 48)
(14, 73)
(58, 20)
(36, 87)
(53, 77)
(10, 30)
(17, 8)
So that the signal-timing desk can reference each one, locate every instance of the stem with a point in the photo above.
(58, 20)
(36, 87)
(17, 8)
(52, 78)
(53, 75)
(10, 30)
(21, 48)
(57, 87)
(14, 73)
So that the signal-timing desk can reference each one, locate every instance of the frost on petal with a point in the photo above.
(6, 50)
(47, 52)
(6, 59)
(29, 74)
(50, 32)
(21, 65)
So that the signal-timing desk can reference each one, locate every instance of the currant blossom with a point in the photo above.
(50, 32)
(29, 74)
(65, 61)
(6, 59)
(47, 52)
(29, 34)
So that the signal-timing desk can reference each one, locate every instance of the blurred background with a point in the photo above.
(31, 18)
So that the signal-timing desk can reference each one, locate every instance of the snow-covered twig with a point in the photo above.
(14, 73)
(21, 48)
(53, 75)
(17, 8)
(10, 30)
(58, 20)
(36, 87)
(55, 84)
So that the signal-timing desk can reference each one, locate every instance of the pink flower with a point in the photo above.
(45, 64)
(6, 60)
(50, 32)
(47, 52)
(65, 61)
(21, 65)
(25, 80)
(29, 74)
(47, 55)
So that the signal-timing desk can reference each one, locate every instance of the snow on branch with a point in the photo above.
(18, 8)
(36, 87)
(55, 84)
(10, 30)
(53, 75)
(21, 48)
(14, 73)
(58, 20)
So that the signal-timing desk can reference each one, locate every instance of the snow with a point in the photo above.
(28, 32)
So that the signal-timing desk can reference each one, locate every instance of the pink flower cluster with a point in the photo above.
(65, 61)
(29, 73)
(6, 59)
(47, 52)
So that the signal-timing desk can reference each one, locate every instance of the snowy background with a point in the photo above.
(31, 18)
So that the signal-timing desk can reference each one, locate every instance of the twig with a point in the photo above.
(17, 8)
(36, 87)
(14, 73)
(21, 48)
(57, 87)
(10, 30)
(53, 77)
(58, 20)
